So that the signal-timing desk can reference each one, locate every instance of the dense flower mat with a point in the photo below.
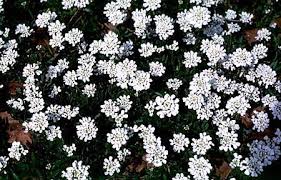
(144, 89)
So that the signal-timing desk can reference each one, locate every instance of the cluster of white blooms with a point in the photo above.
(16, 151)
(73, 36)
(196, 17)
(53, 132)
(246, 17)
(68, 4)
(118, 137)
(210, 93)
(263, 34)
(87, 129)
(179, 142)
(38, 122)
(199, 167)
(156, 69)
(69, 149)
(260, 121)
(275, 108)
(117, 109)
(200, 97)
(76, 171)
(181, 176)
(44, 19)
(189, 39)
(55, 31)
(241, 57)
(238, 104)
(3, 162)
(262, 153)
(164, 26)
(115, 11)
(23, 30)
(8, 49)
(55, 91)
(151, 4)
(203, 144)
(89, 90)
(214, 49)
(147, 49)
(165, 106)
(111, 166)
(56, 112)
(174, 83)
(156, 153)
(109, 46)
(122, 154)
(55, 71)
(141, 21)
(226, 130)
(191, 59)
(33, 95)
(16, 104)
(125, 74)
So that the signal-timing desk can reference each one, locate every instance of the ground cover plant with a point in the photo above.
(140, 89)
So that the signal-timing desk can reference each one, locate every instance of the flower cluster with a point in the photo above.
(87, 86)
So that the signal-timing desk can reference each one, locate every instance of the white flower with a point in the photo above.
(275, 107)
(55, 28)
(259, 51)
(16, 151)
(122, 154)
(110, 108)
(110, 44)
(140, 81)
(39, 122)
(199, 168)
(89, 90)
(238, 105)
(87, 129)
(266, 75)
(228, 140)
(141, 21)
(77, 171)
(3, 162)
(157, 155)
(23, 30)
(117, 137)
(69, 149)
(70, 78)
(73, 36)
(263, 34)
(198, 16)
(147, 49)
(45, 18)
(16, 103)
(111, 166)
(203, 144)
(179, 142)
(260, 121)
(191, 59)
(241, 57)
(164, 26)
(230, 14)
(174, 83)
(246, 17)
(156, 69)
(53, 132)
(151, 4)
(167, 105)
(180, 176)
